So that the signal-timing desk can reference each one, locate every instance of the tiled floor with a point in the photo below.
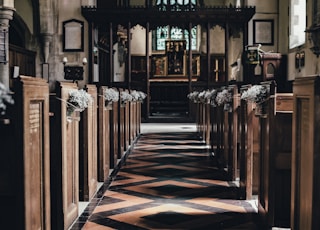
(168, 181)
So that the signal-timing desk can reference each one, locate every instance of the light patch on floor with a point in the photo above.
(167, 127)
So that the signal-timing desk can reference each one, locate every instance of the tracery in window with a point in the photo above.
(176, 33)
(164, 33)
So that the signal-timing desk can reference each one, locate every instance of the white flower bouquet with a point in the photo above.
(256, 93)
(224, 98)
(125, 96)
(212, 98)
(135, 95)
(5, 99)
(111, 95)
(78, 100)
(142, 96)
(193, 96)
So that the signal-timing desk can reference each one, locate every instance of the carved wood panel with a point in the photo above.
(104, 137)
(32, 101)
(114, 134)
(64, 133)
(305, 154)
(89, 148)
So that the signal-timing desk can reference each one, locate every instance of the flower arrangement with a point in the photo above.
(142, 96)
(135, 95)
(224, 97)
(125, 96)
(256, 93)
(193, 96)
(213, 95)
(78, 100)
(111, 95)
(5, 98)
(203, 96)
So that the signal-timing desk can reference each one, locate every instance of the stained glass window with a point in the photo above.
(164, 33)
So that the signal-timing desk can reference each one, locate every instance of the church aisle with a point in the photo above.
(169, 181)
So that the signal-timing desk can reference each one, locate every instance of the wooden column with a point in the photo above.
(111, 62)
(88, 169)
(128, 64)
(64, 148)
(146, 113)
(226, 51)
(208, 54)
(305, 189)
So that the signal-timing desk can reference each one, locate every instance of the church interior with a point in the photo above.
(159, 114)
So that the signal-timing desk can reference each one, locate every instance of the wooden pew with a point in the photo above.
(217, 133)
(114, 133)
(121, 127)
(25, 160)
(103, 137)
(231, 134)
(64, 149)
(247, 128)
(305, 188)
(132, 123)
(275, 158)
(139, 117)
(200, 120)
(127, 115)
(207, 123)
(88, 151)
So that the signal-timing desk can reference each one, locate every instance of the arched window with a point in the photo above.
(297, 23)
(164, 33)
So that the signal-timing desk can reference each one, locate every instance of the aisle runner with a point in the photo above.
(170, 181)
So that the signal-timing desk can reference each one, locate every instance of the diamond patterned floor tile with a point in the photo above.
(170, 181)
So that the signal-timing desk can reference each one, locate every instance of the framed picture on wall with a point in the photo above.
(73, 35)
(263, 32)
(159, 65)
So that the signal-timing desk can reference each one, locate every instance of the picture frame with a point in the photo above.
(176, 57)
(263, 32)
(159, 65)
(73, 32)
